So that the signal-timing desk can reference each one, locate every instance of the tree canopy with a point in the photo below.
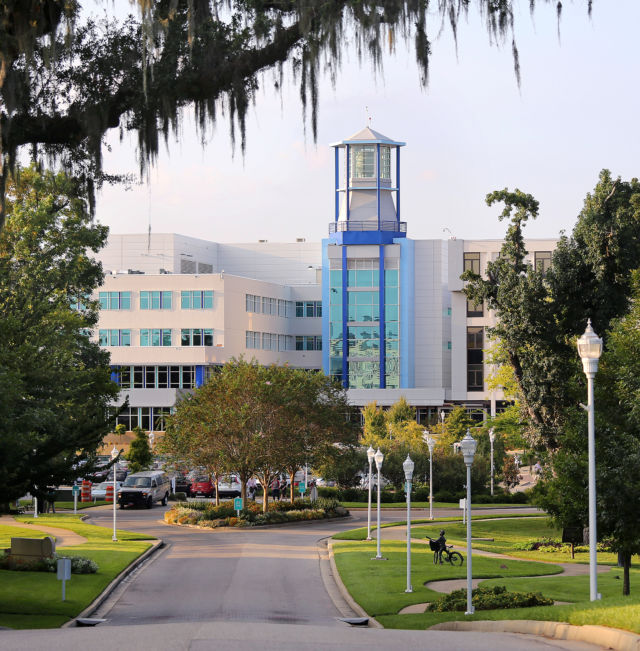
(55, 385)
(255, 420)
(65, 80)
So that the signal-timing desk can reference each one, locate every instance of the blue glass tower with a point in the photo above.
(368, 269)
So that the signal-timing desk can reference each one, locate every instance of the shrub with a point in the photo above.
(421, 494)
(445, 496)
(179, 497)
(488, 599)
(328, 491)
(79, 564)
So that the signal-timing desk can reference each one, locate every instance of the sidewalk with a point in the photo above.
(64, 537)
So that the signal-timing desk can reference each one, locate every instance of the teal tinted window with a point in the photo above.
(391, 313)
(335, 329)
(335, 296)
(391, 296)
(336, 313)
(125, 337)
(125, 300)
(391, 277)
(364, 278)
(364, 375)
(391, 330)
(166, 337)
(166, 300)
(207, 299)
(185, 300)
(335, 278)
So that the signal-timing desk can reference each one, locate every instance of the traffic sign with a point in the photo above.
(302, 486)
(237, 504)
(75, 490)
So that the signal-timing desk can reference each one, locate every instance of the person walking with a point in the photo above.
(51, 495)
(275, 489)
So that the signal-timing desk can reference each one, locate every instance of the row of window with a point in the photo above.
(541, 261)
(279, 307)
(150, 419)
(157, 337)
(310, 342)
(156, 377)
(268, 341)
(197, 299)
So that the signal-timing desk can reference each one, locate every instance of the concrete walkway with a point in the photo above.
(64, 537)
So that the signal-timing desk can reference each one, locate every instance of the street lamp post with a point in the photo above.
(468, 446)
(408, 467)
(379, 457)
(430, 444)
(590, 349)
(370, 454)
(114, 456)
(492, 438)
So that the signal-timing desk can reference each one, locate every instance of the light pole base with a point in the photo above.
(379, 558)
(409, 590)
(368, 538)
(114, 539)
(470, 612)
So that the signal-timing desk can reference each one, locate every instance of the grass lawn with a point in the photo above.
(33, 599)
(508, 534)
(7, 533)
(361, 533)
(68, 505)
(379, 586)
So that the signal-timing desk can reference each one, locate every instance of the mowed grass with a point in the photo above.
(361, 533)
(33, 599)
(379, 586)
(619, 612)
(508, 534)
(8, 532)
(425, 505)
(68, 505)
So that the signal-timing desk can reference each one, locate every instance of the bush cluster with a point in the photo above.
(553, 545)
(488, 599)
(206, 514)
(79, 564)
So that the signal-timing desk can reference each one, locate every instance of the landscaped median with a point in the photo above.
(210, 516)
(379, 586)
(31, 599)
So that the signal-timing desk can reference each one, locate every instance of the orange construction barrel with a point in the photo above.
(85, 491)
(109, 495)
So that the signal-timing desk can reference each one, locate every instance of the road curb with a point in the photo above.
(354, 605)
(611, 638)
(102, 597)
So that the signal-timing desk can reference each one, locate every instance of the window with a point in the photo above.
(269, 306)
(269, 341)
(115, 300)
(285, 342)
(472, 262)
(196, 337)
(363, 272)
(79, 303)
(364, 306)
(196, 299)
(309, 309)
(474, 309)
(252, 339)
(475, 359)
(542, 261)
(308, 342)
(363, 161)
(155, 337)
(253, 303)
(155, 300)
(114, 337)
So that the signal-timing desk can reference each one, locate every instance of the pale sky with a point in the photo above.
(470, 132)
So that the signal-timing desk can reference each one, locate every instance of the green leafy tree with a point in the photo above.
(455, 427)
(344, 465)
(255, 419)
(55, 386)
(139, 455)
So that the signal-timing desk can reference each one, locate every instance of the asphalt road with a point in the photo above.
(246, 590)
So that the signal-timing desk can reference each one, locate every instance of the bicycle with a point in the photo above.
(454, 558)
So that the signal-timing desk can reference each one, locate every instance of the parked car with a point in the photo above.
(202, 485)
(121, 474)
(99, 491)
(229, 486)
(183, 485)
(144, 488)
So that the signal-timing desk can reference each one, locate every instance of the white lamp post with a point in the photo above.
(370, 454)
(379, 457)
(492, 438)
(468, 446)
(408, 467)
(430, 444)
(114, 456)
(590, 349)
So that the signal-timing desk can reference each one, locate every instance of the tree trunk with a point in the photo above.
(626, 587)
(291, 487)
(217, 494)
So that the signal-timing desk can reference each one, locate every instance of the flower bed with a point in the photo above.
(79, 564)
(205, 514)
(488, 599)
(550, 545)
